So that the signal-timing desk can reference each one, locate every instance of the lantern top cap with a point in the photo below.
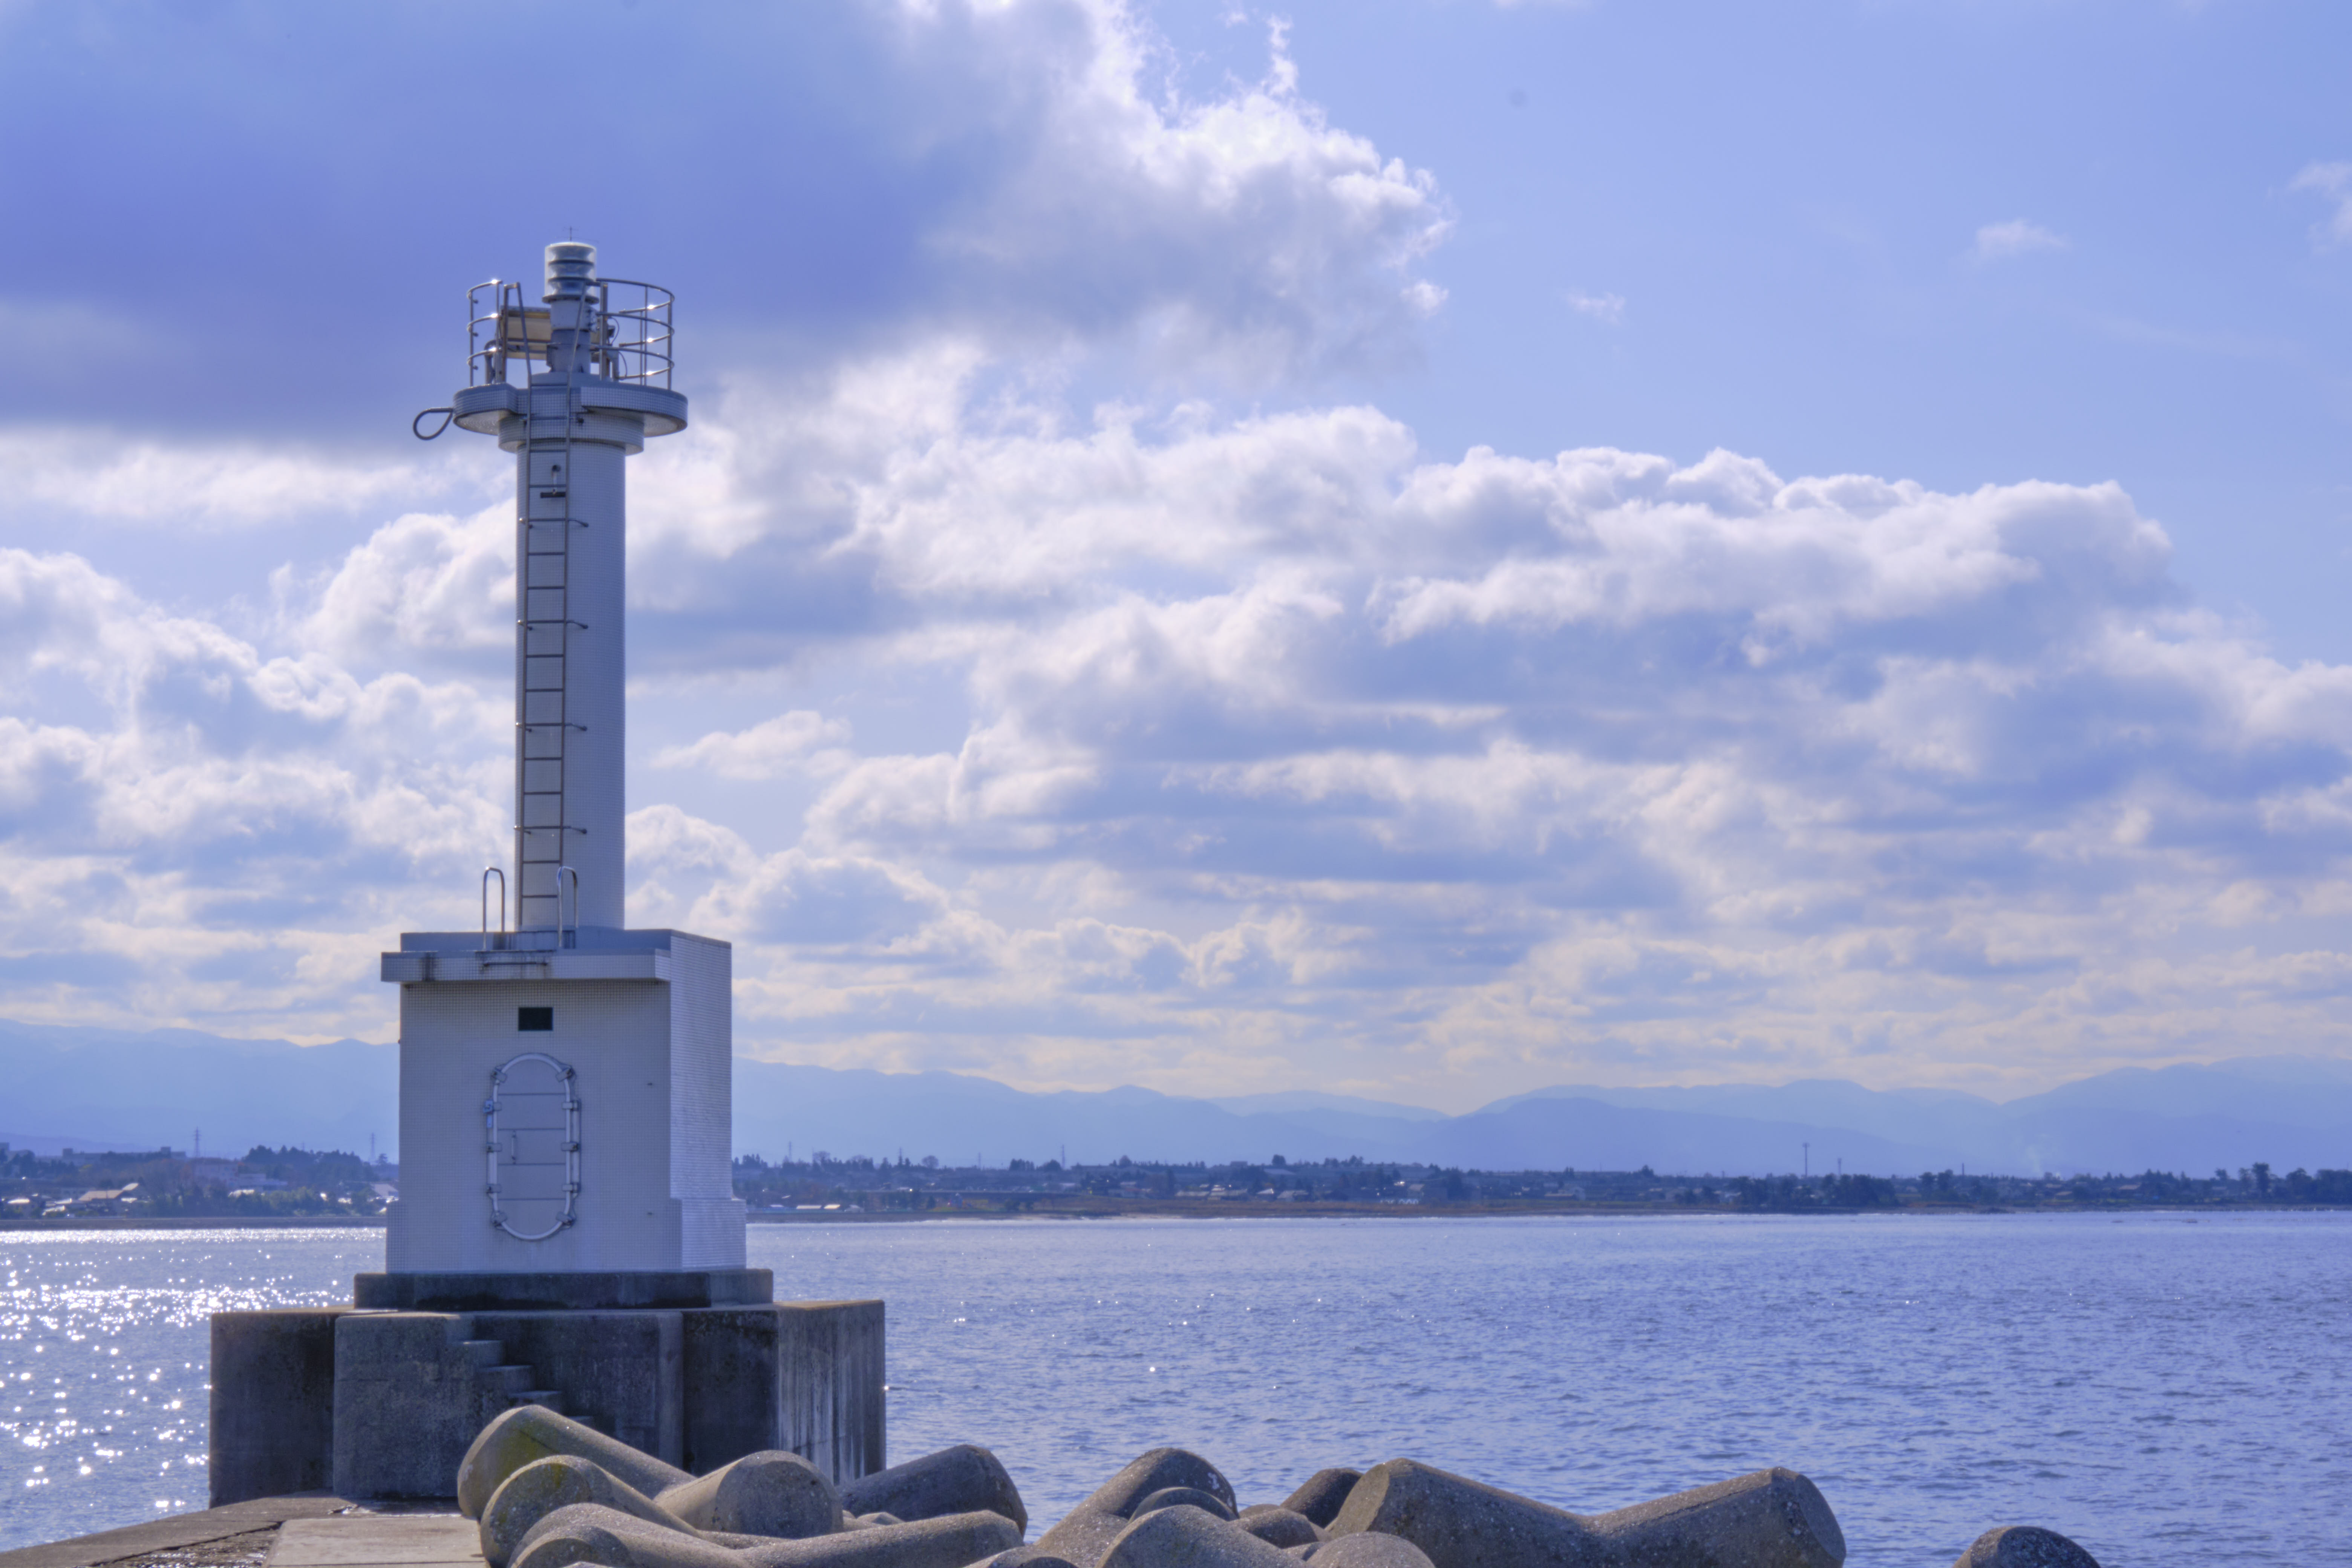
(570, 270)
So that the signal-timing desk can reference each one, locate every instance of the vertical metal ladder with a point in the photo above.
(545, 624)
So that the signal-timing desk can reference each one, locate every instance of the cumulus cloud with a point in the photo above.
(1290, 751)
(1242, 230)
(1589, 757)
(104, 475)
(789, 742)
(1046, 177)
(1199, 741)
(2333, 184)
(1284, 738)
(2017, 236)
(423, 586)
(187, 805)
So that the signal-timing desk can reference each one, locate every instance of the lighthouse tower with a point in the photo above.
(567, 1233)
(564, 1082)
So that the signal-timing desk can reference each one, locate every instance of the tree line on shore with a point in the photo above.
(825, 1183)
(288, 1182)
(165, 1183)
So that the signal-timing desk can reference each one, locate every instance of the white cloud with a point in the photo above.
(1240, 234)
(2333, 182)
(110, 476)
(1494, 767)
(2003, 241)
(199, 811)
(1052, 178)
(800, 741)
(1286, 668)
(1250, 748)
(1607, 308)
(423, 585)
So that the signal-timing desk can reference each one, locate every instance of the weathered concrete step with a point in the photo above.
(482, 1353)
(545, 1398)
(511, 1380)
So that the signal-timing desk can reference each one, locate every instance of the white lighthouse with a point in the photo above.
(567, 1233)
(564, 1082)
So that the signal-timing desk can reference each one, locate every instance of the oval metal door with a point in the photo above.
(533, 1142)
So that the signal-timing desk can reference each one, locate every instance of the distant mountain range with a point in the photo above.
(63, 1087)
(2287, 1110)
(96, 1088)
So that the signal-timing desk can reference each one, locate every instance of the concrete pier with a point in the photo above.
(382, 1404)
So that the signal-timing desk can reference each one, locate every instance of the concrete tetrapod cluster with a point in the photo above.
(549, 1492)
(1173, 1509)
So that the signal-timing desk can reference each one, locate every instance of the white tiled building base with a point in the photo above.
(645, 1021)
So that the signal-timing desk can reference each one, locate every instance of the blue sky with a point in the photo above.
(1425, 549)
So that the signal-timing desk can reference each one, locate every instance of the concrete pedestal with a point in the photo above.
(384, 1404)
(613, 1289)
(273, 1415)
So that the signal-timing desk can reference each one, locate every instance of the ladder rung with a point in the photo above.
(530, 521)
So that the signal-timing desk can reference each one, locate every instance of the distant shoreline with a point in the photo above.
(1147, 1209)
(1212, 1210)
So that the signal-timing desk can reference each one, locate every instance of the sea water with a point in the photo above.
(2164, 1387)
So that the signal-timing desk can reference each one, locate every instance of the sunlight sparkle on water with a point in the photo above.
(103, 1343)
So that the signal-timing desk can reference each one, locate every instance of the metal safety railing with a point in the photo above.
(630, 331)
(638, 333)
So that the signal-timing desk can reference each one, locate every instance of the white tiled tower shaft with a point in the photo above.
(571, 645)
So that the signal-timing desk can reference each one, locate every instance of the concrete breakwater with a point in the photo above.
(380, 1399)
(548, 1492)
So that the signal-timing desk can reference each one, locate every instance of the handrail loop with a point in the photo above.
(489, 872)
(567, 936)
(416, 426)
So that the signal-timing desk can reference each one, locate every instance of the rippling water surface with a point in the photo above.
(103, 1348)
(2164, 1389)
